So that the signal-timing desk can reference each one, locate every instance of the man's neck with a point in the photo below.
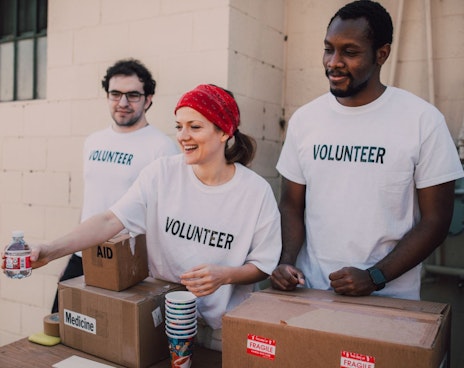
(128, 129)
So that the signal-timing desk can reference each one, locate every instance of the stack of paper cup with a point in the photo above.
(181, 327)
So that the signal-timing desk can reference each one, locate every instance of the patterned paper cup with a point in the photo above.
(180, 297)
(181, 322)
(181, 351)
(181, 306)
(181, 326)
(181, 333)
(168, 334)
(180, 311)
(177, 316)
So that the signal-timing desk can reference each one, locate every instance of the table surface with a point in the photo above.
(26, 354)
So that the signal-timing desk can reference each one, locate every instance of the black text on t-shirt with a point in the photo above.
(199, 234)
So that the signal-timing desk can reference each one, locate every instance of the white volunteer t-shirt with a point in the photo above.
(361, 167)
(112, 161)
(188, 224)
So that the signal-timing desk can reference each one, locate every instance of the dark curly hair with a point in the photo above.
(380, 23)
(130, 67)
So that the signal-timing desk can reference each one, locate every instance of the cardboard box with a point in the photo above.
(319, 329)
(125, 327)
(116, 265)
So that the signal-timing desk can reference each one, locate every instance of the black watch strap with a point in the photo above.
(377, 278)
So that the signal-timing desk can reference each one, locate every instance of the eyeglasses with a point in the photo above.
(132, 96)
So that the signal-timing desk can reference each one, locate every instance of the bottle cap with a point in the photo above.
(18, 234)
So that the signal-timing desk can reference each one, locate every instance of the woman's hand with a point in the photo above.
(38, 257)
(204, 279)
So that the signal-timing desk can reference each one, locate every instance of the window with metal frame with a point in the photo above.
(23, 49)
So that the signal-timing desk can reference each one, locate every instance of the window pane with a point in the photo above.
(6, 71)
(41, 67)
(42, 16)
(25, 70)
(26, 19)
(6, 18)
(23, 49)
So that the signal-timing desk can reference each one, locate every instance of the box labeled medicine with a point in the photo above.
(125, 327)
(319, 329)
(117, 264)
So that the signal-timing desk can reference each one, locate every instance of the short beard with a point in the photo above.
(350, 91)
(127, 124)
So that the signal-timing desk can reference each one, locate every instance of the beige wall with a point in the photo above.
(238, 44)
(427, 66)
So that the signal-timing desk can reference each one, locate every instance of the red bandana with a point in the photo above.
(215, 104)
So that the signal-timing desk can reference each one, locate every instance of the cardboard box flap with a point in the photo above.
(410, 328)
(382, 302)
(119, 238)
(374, 327)
(149, 288)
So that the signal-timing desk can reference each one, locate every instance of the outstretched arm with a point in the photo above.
(292, 206)
(436, 208)
(93, 231)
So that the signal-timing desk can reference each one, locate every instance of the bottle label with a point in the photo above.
(19, 263)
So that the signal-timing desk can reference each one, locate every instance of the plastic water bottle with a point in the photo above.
(17, 257)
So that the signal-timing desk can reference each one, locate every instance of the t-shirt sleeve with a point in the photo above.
(288, 164)
(438, 161)
(267, 243)
(131, 208)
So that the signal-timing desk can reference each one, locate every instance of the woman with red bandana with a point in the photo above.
(211, 223)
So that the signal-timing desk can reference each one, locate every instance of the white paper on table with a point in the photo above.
(79, 362)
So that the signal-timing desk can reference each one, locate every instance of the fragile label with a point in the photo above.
(261, 346)
(354, 360)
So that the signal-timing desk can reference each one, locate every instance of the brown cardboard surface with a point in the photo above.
(125, 327)
(115, 265)
(314, 328)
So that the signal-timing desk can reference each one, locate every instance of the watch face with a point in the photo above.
(377, 277)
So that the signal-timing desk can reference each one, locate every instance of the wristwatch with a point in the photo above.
(377, 278)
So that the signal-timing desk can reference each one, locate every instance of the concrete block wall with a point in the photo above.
(447, 49)
(256, 74)
(268, 52)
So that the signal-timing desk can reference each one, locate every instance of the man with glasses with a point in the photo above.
(113, 157)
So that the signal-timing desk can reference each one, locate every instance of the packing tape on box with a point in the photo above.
(132, 242)
(52, 325)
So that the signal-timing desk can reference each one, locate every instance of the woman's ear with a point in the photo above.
(225, 137)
